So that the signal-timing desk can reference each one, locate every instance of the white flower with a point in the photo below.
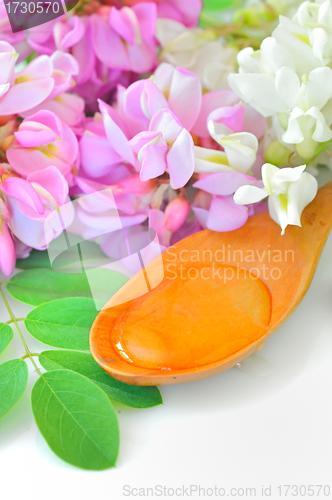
(256, 81)
(307, 122)
(239, 155)
(289, 190)
(317, 20)
(286, 78)
(200, 51)
(295, 39)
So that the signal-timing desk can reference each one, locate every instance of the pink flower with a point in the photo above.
(59, 34)
(178, 89)
(7, 250)
(223, 107)
(104, 145)
(68, 33)
(33, 202)
(68, 107)
(24, 207)
(184, 11)
(43, 140)
(125, 40)
(166, 146)
(223, 213)
(22, 91)
(72, 35)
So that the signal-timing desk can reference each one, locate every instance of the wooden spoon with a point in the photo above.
(223, 295)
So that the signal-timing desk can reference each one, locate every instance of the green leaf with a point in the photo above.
(37, 286)
(13, 382)
(77, 419)
(36, 259)
(6, 336)
(64, 323)
(83, 363)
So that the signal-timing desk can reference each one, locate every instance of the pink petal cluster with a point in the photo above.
(41, 141)
(166, 146)
(25, 204)
(92, 114)
(220, 212)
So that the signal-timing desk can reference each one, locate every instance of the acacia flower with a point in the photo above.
(239, 149)
(289, 191)
(166, 146)
(125, 38)
(178, 89)
(24, 207)
(220, 212)
(104, 146)
(43, 140)
(28, 88)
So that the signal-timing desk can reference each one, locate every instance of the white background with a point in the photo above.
(269, 423)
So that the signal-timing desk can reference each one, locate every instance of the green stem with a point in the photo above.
(31, 354)
(27, 350)
(17, 319)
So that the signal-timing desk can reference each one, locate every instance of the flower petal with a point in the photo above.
(153, 161)
(53, 181)
(241, 150)
(185, 96)
(259, 91)
(246, 195)
(115, 134)
(26, 95)
(7, 251)
(166, 121)
(224, 184)
(22, 191)
(181, 160)
(225, 215)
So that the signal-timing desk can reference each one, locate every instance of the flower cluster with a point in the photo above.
(188, 126)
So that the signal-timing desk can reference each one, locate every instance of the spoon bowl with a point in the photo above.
(222, 296)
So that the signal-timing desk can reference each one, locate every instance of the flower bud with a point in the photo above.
(277, 154)
(176, 213)
(308, 147)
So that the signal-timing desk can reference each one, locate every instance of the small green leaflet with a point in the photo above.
(77, 419)
(83, 363)
(6, 336)
(37, 286)
(13, 382)
(64, 323)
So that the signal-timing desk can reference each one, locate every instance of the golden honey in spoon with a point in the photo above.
(223, 295)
